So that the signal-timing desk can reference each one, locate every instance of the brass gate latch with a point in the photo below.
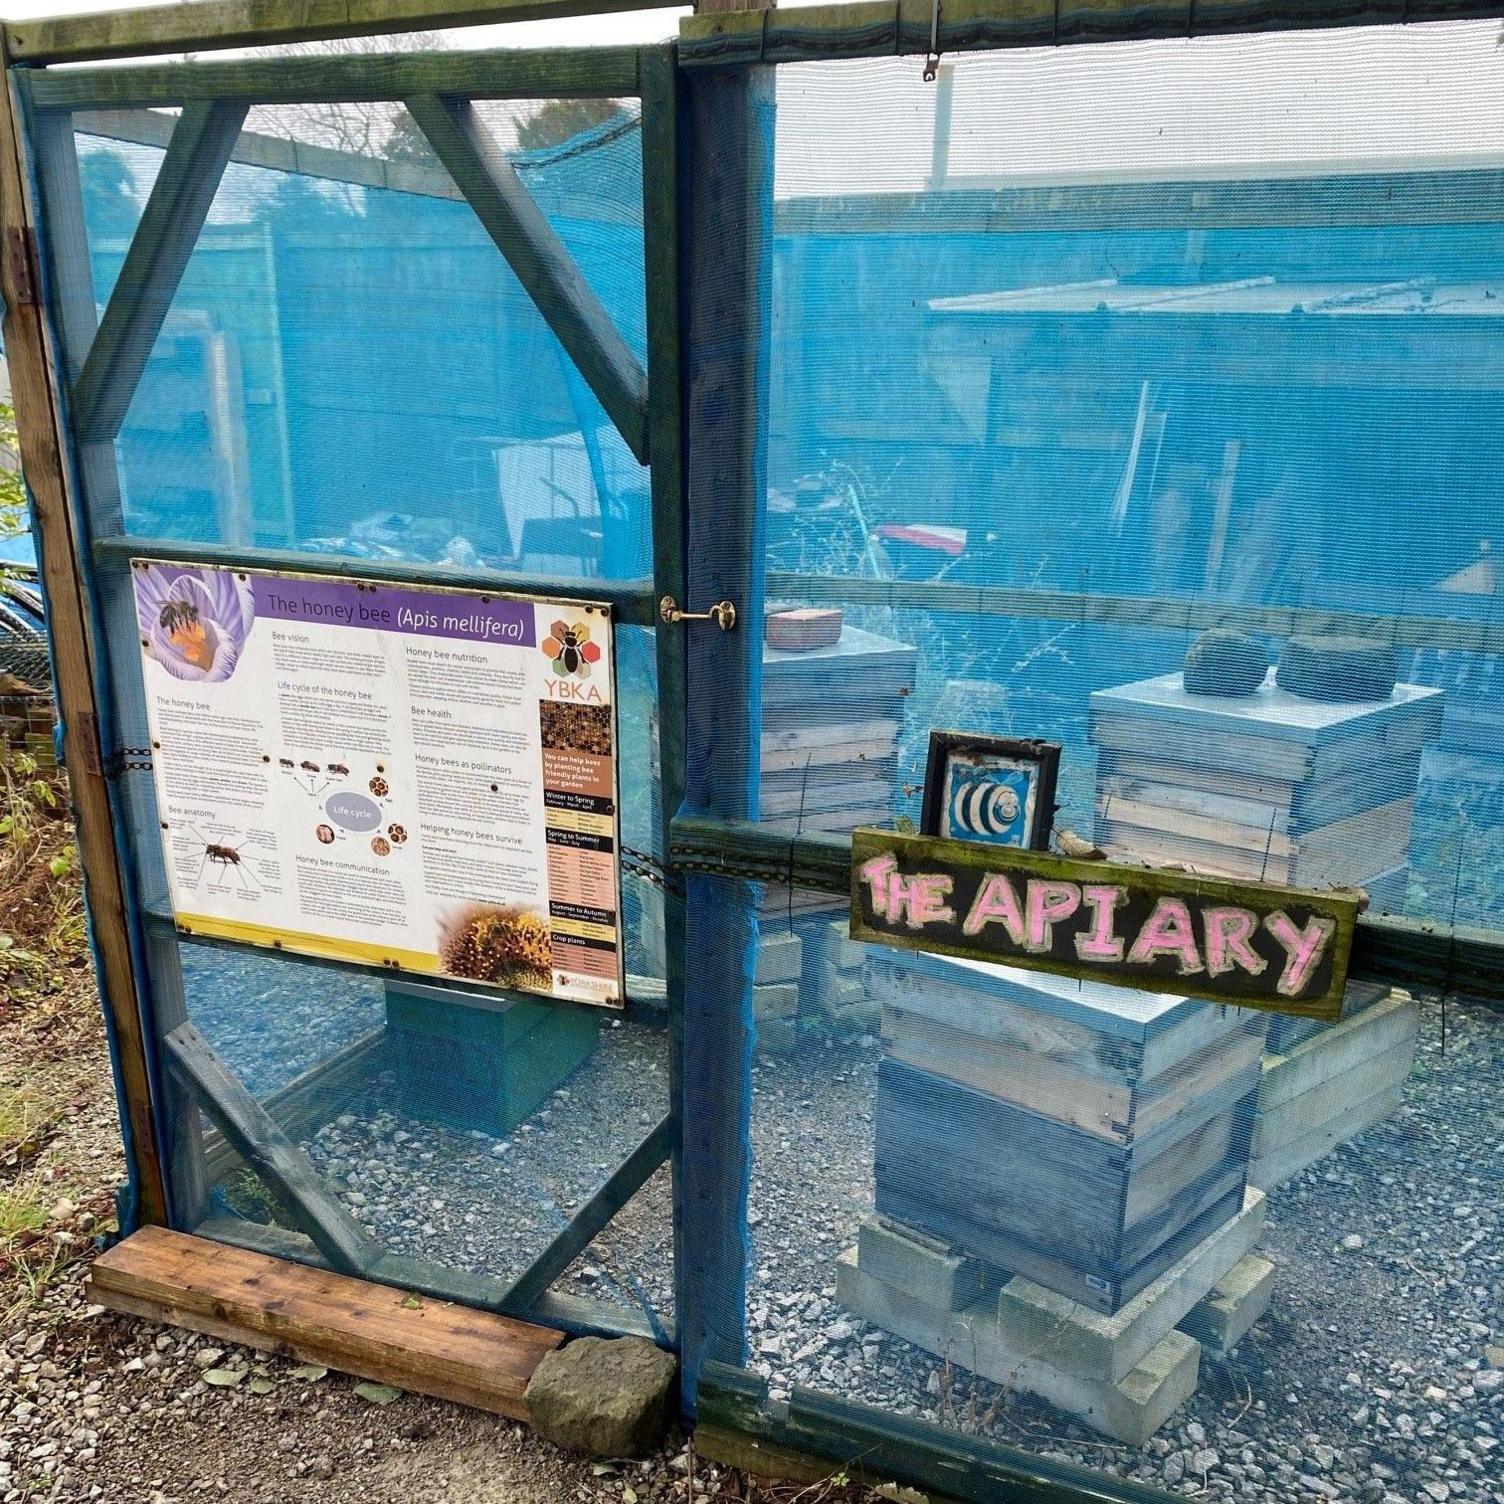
(723, 613)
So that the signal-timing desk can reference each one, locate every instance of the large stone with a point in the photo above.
(609, 1398)
(1337, 670)
(1224, 662)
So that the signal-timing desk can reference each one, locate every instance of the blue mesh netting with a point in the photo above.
(353, 369)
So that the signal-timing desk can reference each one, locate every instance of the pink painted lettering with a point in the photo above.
(1168, 932)
(1303, 948)
(1100, 943)
(1228, 933)
(996, 900)
(876, 874)
(1046, 904)
(926, 893)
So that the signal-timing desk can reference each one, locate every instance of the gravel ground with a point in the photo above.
(1377, 1376)
(99, 1407)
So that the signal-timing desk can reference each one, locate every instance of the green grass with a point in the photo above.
(23, 1209)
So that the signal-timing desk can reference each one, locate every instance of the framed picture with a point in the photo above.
(991, 789)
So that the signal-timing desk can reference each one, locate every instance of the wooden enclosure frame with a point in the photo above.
(707, 166)
(91, 370)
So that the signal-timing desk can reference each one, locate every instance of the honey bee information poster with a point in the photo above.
(419, 778)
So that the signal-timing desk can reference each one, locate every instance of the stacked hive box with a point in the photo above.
(831, 720)
(1083, 1135)
(1268, 786)
(1285, 789)
(1060, 1182)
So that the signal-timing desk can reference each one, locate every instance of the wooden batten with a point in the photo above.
(251, 23)
(49, 478)
(373, 1331)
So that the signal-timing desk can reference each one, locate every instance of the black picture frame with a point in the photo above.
(1030, 760)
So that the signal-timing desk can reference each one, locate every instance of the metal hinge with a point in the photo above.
(21, 264)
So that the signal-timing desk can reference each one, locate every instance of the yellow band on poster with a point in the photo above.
(582, 929)
(324, 946)
(582, 822)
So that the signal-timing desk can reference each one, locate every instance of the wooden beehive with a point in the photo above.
(831, 719)
(832, 716)
(1270, 785)
(1082, 1135)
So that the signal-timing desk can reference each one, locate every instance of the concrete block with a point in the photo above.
(1241, 1296)
(858, 1018)
(926, 1267)
(840, 951)
(775, 1000)
(1091, 1345)
(1130, 1410)
(832, 994)
(1277, 1166)
(780, 958)
(776, 1036)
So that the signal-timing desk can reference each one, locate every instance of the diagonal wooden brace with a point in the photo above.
(268, 1151)
(540, 260)
(175, 212)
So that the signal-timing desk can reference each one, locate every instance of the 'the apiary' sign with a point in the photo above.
(414, 777)
(1253, 944)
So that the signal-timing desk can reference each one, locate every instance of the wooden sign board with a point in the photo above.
(1252, 944)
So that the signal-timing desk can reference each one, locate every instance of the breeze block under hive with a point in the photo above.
(1081, 1135)
(477, 1064)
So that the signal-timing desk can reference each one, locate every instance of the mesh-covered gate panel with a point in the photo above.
(350, 371)
(1073, 358)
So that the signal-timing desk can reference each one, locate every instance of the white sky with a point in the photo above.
(1349, 100)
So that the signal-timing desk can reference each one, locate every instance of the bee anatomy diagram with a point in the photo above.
(220, 860)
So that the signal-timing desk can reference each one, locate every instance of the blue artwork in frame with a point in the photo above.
(995, 790)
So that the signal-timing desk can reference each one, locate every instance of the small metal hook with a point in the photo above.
(723, 613)
(932, 62)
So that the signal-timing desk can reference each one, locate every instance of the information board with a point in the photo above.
(415, 777)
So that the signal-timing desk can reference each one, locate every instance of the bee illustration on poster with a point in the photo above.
(194, 621)
(996, 790)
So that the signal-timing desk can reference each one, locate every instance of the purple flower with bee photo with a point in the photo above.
(194, 622)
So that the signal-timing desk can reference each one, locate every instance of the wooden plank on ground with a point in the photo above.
(268, 1151)
(376, 1332)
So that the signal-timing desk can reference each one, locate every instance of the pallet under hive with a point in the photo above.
(1082, 1135)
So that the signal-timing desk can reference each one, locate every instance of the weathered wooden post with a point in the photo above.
(726, 173)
